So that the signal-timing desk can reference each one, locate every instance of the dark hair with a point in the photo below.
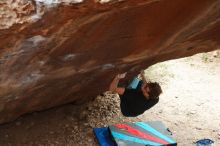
(155, 90)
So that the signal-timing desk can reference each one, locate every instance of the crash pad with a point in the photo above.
(103, 136)
(141, 134)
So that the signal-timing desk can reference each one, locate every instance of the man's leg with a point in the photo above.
(139, 84)
(134, 83)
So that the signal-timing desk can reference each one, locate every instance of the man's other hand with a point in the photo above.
(121, 76)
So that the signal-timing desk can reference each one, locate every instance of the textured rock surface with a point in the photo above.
(12, 12)
(63, 52)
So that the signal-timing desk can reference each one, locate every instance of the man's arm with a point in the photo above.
(114, 84)
(144, 84)
(143, 77)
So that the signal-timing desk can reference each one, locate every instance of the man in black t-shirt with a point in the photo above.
(135, 101)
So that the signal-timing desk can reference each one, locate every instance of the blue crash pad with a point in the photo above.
(103, 136)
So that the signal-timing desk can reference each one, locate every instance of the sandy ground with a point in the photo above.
(189, 107)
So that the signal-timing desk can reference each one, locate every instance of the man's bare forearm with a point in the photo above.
(143, 77)
(114, 84)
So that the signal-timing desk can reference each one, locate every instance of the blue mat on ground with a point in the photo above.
(142, 134)
(103, 136)
(135, 134)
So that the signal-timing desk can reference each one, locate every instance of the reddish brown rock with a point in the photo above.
(72, 53)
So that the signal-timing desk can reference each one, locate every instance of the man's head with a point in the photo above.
(154, 90)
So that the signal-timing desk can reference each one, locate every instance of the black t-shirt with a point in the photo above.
(134, 103)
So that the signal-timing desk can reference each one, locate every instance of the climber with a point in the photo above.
(138, 97)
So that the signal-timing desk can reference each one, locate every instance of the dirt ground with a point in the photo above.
(189, 107)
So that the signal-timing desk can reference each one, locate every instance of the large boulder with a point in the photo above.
(54, 52)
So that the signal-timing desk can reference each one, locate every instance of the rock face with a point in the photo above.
(57, 51)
